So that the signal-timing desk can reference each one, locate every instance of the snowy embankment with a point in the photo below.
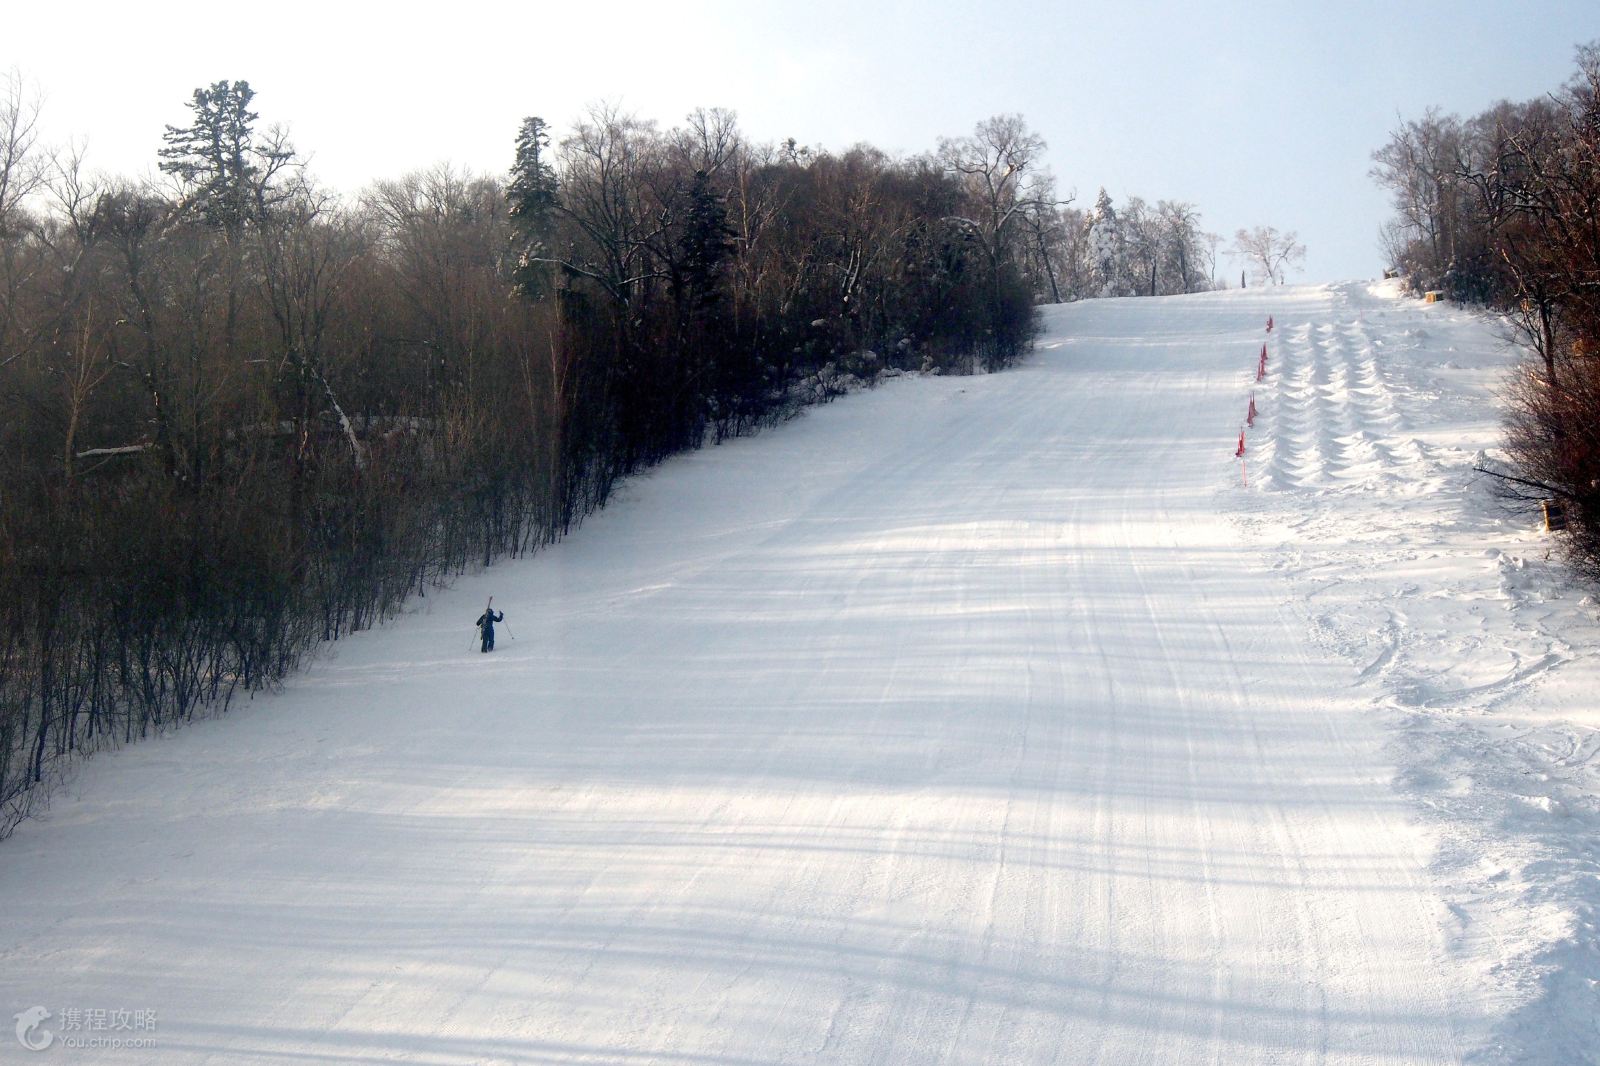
(1470, 639)
(964, 720)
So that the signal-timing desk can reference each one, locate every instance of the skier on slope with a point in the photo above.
(485, 625)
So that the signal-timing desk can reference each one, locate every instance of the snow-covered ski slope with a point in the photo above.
(964, 720)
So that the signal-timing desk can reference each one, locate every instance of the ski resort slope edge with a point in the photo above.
(953, 722)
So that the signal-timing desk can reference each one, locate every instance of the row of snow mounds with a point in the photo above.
(1460, 621)
(1336, 421)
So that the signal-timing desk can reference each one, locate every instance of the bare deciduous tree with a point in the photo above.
(993, 166)
(22, 173)
(22, 170)
(1271, 254)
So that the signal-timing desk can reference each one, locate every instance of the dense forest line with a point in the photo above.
(246, 415)
(1503, 209)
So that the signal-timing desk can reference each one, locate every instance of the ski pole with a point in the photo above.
(510, 634)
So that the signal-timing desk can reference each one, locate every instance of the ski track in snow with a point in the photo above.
(965, 720)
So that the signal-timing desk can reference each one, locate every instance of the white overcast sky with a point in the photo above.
(1259, 113)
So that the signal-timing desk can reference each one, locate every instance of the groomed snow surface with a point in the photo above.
(964, 720)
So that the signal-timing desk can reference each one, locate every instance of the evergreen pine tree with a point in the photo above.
(533, 204)
(704, 249)
(1106, 248)
(707, 244)
(218, 158)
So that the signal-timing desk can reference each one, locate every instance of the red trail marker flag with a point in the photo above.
(1240, 453)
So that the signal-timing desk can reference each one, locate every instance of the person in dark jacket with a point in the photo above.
(486, 623)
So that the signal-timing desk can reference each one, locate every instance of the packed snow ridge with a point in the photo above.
(989, 719)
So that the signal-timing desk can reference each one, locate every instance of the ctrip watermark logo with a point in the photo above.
(83, 1028)
(31, 1032)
